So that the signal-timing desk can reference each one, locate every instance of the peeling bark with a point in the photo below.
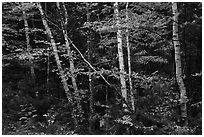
(176, 42)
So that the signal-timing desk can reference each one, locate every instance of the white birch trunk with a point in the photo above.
(71, 63)
(129, 61)
(176, 42)
(120, 53)
(59, 66)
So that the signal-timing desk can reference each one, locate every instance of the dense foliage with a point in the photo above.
(40, 106)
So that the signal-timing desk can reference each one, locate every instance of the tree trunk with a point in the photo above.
(29, 48)
(85, 60)
(91, 104)
(129, 61)
(71, 61)
(59, 66)
(48, 59)
(120, 53)
(183, 97)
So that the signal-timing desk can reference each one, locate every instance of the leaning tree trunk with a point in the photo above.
(176, 42)
(29, 48)
(129, 60)
(120, 53)
(59, 66)
(71, 61)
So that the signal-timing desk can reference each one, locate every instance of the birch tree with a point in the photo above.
(120, 52)
(59, 66)
(64, 23)
(176, 42)
(129, 60)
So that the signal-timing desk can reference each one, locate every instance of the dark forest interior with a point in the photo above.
(102, 68)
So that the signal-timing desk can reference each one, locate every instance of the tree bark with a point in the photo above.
(29, 48)
(91, 104)
(120, 53)
(129, 61)
(71, 61)
(59, 66)
(176, 42)
(48, 59)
